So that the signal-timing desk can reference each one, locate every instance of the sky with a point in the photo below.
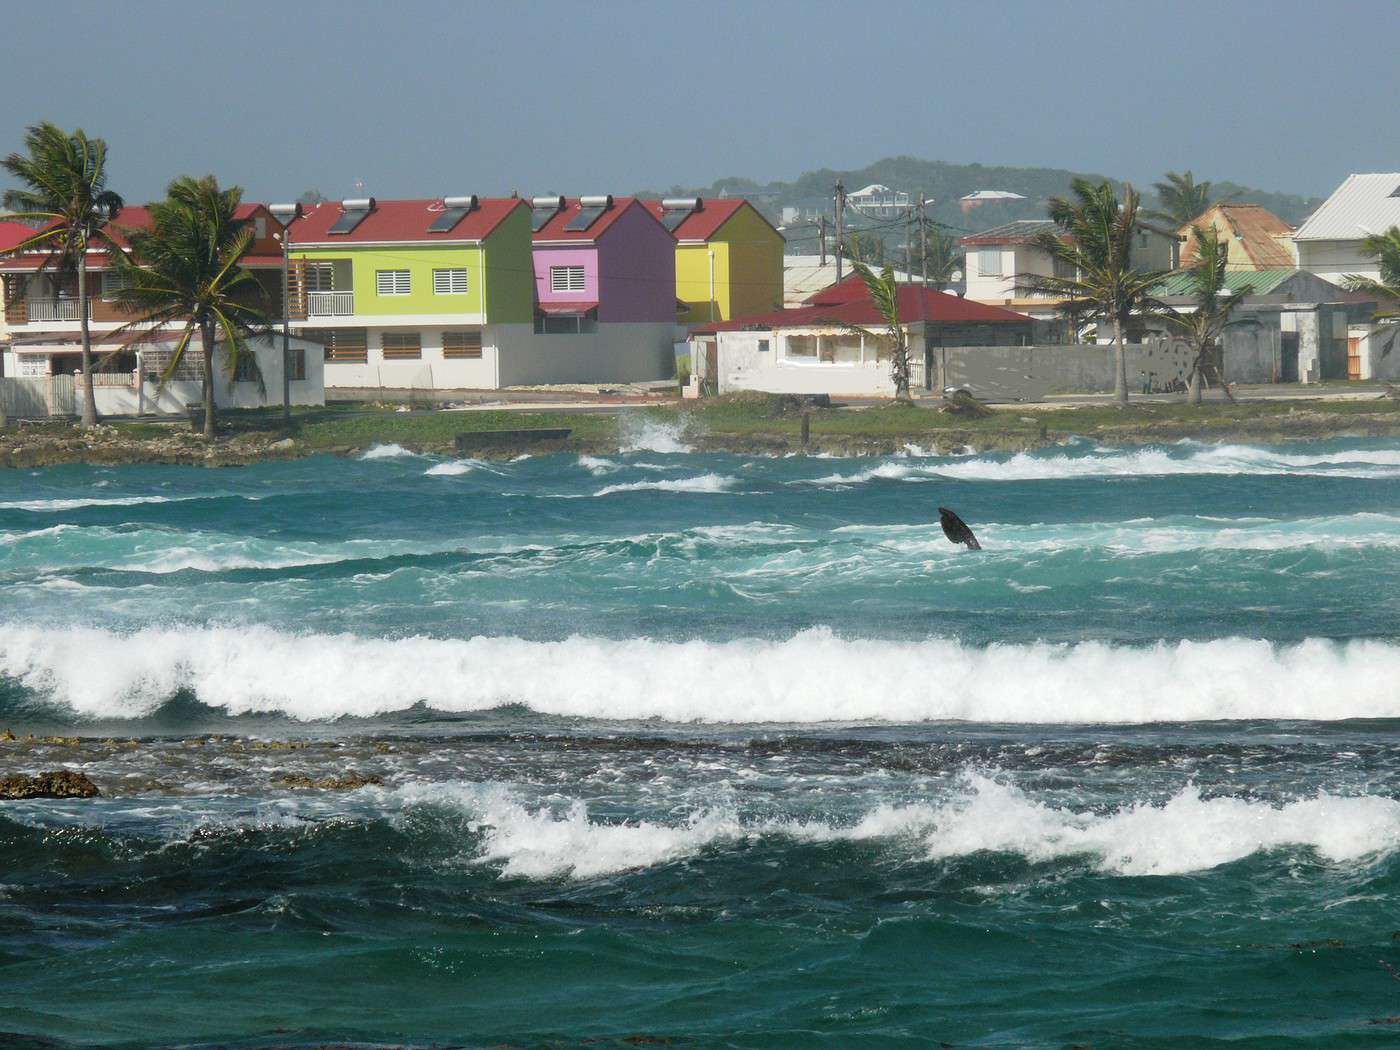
(418, 99)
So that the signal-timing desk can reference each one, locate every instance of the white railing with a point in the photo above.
(55, 310)
(330, 304)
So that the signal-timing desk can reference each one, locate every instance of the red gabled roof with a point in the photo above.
(701, 225)
(13, 234)
(554, 229)
(131, 217)
(916, 303)
(401, 221)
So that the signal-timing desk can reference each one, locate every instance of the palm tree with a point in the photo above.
(863, 247)
(65, 180)
(1098, 251)
(1386, 247)
(1181, 198)
(185, 270)
(884, 293)
(942, 257)
(1214, 303)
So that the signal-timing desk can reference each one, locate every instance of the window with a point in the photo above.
(391, 282)
(343, 345)
(318, 276)
(1063, 268)
(461, 345)
(763, 346)
(564, 324)
(113, 283)
(566, 278)
(989, 262)
(449, 282)
(802, 347)
(296, 365)
(260, 227)
(840, 349)
(245, 368)
(402, 346)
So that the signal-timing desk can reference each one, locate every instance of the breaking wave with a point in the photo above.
(390, 451)
(1185, 459)
(702, 483)
(1186, 833)
(811, 677)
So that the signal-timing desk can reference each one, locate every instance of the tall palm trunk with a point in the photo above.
(1120, 363)
(89, 416)
(1193, 388)
(206, 338)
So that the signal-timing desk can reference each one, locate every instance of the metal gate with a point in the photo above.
(35, 397)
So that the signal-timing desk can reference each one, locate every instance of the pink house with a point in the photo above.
(602, 261)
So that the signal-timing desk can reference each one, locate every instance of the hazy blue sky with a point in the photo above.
(443, 98)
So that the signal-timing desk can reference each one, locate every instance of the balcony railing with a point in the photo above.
(56, 310)
(330, 304)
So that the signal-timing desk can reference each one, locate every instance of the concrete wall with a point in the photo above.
(1032, 372)
(1380, 350)
(615, 353)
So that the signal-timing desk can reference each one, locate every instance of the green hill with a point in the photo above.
(946, 183)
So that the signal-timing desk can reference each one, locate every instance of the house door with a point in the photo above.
(712, 368)
(1354, 358)
(1289, 346)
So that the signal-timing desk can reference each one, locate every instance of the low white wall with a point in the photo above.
(431, 371)
(145, 396)
(1032, 372)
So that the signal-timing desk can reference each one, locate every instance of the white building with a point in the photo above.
(1329, 244)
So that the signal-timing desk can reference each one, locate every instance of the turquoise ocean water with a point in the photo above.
(718, 750)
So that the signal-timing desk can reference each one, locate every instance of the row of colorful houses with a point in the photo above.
(458, 292)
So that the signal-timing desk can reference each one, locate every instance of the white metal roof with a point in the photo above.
(1361, 206)
(992, 195)
(805, 274)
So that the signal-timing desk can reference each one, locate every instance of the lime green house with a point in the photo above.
(414, 294)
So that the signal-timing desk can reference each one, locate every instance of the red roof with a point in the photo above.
(845, 306)
(701, 225)
(13, 234)
(401, 221)
(554, 229)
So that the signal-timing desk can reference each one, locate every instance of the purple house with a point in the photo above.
(604, 260)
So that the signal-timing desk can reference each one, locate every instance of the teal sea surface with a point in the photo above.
(707, 750)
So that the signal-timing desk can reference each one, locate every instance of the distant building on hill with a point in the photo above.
(977, 198)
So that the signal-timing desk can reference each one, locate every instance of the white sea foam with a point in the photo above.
(390, 451)
(648, 435)
(458, 467)
(78, 503)
(597, 465)
(1187, 833)
(1201, 459)
(702, 483)
(811, 677)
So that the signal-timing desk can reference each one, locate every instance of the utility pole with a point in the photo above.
(909, 243)
(923, 239)
(821, 236)
(840, 224)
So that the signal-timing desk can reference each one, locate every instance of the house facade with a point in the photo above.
(1330, 242)
(837, 343)
(998, 257)
(729, 258)
(43, 319)
(604, 273)
(1254, 237)
(413, 294)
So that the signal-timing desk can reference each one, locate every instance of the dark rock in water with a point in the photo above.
(956, 529)
(58, 783)
(348, 782)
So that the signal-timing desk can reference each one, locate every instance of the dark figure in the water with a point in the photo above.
(956, 529)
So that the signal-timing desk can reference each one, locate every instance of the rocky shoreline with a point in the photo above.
(112, 445)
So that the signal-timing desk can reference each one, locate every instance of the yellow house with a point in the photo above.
(729, 258)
